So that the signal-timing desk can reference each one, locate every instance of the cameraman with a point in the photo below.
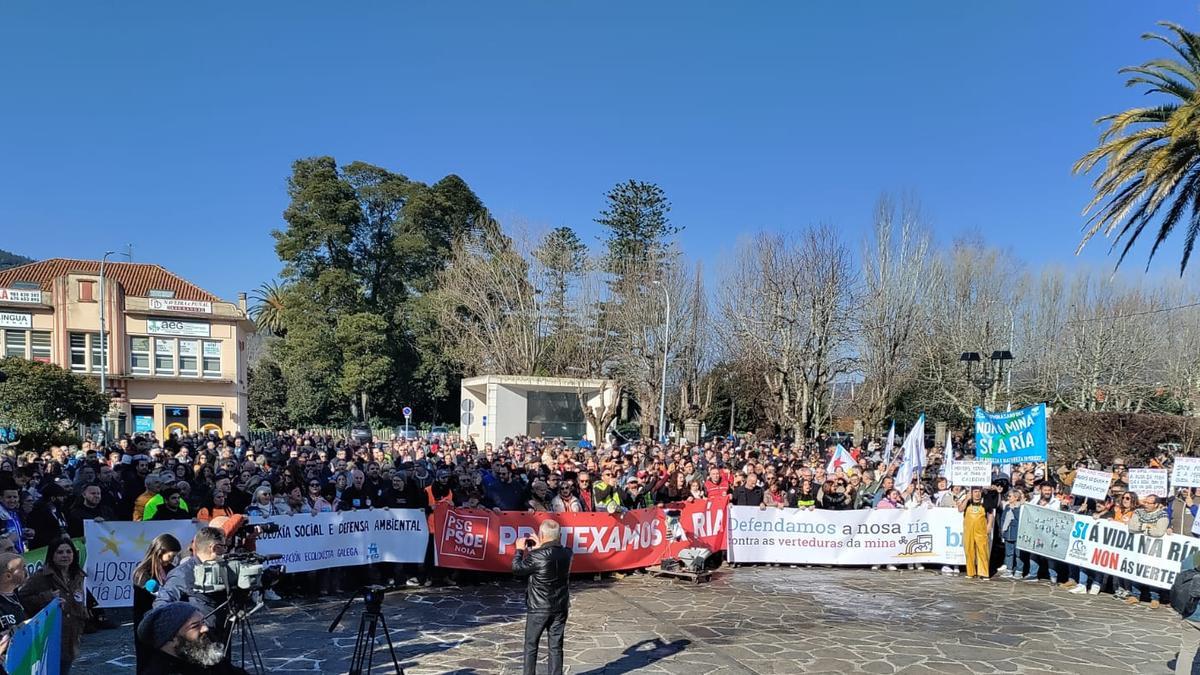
(208, 545)
(547, 598)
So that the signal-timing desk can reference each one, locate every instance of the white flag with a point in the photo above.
(948, 464)
(891, 442)
(912, 454)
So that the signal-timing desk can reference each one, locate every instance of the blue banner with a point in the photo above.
(37, 643)
(1011, 437)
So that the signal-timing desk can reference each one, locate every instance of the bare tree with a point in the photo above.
(896, 287)
(786, 304)
(490, 305)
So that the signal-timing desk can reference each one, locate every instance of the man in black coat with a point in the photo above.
(547, 597)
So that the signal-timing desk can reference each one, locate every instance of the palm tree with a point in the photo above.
(1151, 155)
(267, 311)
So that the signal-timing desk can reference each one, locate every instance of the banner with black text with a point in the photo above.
(313, 542)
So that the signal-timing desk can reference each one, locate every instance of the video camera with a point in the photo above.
(245, 571)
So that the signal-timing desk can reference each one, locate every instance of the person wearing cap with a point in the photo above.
(177, 642)
(49, 516)
(440, 490)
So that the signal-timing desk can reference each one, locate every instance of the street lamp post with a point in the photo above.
(990, 371)
(662, 392)
(103, 350)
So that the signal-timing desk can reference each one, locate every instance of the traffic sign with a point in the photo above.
(467, 418)
(407, 411)
(468, 405)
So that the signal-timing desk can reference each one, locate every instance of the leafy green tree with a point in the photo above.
(1150, 154)
(361, 248)
(562, 257)
(639, 229)
(267, 395)
(44, 402)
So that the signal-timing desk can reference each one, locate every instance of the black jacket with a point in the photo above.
(548, 569)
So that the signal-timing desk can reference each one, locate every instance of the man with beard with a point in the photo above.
(178, 643)
(180, 584)
(90, 507)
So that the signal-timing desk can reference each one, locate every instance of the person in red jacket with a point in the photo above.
(717, 485)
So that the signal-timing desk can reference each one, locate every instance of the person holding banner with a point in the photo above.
(978, 519)
(60, 578)
(1149, 520)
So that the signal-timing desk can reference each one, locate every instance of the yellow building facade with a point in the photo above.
(176, 357)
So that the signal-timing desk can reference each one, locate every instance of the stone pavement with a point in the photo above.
(747, 620)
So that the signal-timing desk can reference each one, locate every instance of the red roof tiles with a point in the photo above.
(138, 279)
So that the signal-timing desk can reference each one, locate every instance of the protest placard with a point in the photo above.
(971, 472)
(115, 548)
(307, 542)
(859, 537)
(1011, 437)
(1104, 545)
(1186, 472)
(1091, 483)
(1148, 482)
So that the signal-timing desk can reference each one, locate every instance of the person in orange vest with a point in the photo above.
(440, 490)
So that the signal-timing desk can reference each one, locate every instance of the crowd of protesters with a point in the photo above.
(46, 496)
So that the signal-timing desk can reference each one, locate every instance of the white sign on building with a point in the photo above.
(15, 320)
(177, 327)
(173, 305)
(32, 296)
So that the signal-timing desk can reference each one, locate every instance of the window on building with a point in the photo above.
(143, 418)
(98, 361)
(176, 419)
(40, 346)
(164, 356)
(212, 358)
(555, 414)
(79, 357)
(189, 353)
(87, 291)
(15, 342)
(211, 419)
(139, 355)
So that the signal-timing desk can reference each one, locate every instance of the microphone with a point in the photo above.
(151, 585)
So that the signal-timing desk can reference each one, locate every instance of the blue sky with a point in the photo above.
(172, 126)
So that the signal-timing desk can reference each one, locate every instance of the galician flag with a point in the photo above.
(891, 443)
(948, 462)
(842, 459)
(912, 454)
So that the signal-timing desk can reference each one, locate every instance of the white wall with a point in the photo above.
(508, 413)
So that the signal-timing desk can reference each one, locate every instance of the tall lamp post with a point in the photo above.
(103, 349)
(662, 392)
(990, 371)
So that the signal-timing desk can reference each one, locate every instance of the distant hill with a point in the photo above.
(8, 260)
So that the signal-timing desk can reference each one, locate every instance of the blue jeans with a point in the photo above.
(1035, 567)
(1136, 591)
(1087, 577)
(1011, 559)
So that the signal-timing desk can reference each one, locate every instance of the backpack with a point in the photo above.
(1185, 592)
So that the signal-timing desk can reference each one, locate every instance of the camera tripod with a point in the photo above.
(237, 623)
(363, 658)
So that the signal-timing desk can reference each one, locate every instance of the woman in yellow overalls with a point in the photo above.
(977, 525)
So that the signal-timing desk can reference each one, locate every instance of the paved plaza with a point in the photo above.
(747, 620)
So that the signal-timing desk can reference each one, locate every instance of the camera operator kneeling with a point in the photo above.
(180, 586)
(176, 641)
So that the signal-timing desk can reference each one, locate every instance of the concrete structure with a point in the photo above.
(495, 407)
(176, 353)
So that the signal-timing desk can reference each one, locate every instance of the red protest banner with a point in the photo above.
(482, 540)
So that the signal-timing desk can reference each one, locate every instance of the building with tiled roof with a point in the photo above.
(176, 356)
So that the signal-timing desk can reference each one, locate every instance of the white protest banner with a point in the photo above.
(861, 537)
(1091, 483)
(1106, 546)
(1148, 482)
(971, 472)
(115, 548)
(1186, 472)
(309, 542)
